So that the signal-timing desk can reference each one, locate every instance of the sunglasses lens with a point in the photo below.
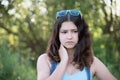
(61, 13)
(74, 12)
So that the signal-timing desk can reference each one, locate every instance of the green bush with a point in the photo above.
(14, 66)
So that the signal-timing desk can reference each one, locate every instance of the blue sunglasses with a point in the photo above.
(63, 13)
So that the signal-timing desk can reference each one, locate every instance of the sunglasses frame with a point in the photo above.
(63, 13)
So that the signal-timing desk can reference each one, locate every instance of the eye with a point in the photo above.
(75, 31)
(64, 32)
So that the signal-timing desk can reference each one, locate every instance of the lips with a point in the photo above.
(69, 42)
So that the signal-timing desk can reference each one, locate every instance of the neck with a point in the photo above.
(70, 54)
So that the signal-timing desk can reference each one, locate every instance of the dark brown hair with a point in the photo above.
(83, 55)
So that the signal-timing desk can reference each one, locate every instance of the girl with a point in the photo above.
(69, 54)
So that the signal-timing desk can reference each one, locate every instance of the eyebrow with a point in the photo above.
(67, 29)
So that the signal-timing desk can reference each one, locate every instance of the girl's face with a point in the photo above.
(68, 34)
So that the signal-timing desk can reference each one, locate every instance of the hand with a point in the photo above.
(63, 53)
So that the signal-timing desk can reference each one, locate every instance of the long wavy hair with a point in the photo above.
(83, 55)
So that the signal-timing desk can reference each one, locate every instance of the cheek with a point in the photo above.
(76, 37)
(61, 38)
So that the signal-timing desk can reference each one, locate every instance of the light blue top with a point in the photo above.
(80, 75)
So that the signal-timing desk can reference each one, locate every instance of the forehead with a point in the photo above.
(68, 25)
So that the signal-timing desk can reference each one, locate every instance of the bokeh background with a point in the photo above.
(25, 27)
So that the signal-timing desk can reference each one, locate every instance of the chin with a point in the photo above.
(69, 47)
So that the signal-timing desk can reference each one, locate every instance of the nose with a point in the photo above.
(69, 35)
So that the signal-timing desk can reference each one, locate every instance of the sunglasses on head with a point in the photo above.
(63, 13)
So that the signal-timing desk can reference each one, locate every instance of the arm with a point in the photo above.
(43, 68)
(101, 71)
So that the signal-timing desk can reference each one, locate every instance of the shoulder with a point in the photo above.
(96, 61)
(43, 59)
(43, 67)
(96, 65)
(99, 66)
(43, 56)
(100, 70)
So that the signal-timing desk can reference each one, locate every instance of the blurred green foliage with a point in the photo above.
(25, 27)
(13, 66)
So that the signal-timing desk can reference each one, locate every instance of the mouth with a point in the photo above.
(69, 42)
